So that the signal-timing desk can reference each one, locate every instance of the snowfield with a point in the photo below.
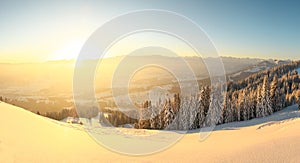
(27, 137)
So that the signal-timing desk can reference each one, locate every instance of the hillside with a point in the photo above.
(255, 68)
(26, 137)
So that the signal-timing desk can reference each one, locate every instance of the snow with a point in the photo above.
(27, 137)
(236, 74)
(128, 126)
(256, 69)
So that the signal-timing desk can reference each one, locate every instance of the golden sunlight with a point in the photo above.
(70, 50)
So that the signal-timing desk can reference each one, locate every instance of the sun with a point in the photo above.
(69, 50)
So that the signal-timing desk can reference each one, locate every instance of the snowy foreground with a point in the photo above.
(26, 137)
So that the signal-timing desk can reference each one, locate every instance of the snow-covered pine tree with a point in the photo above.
(259, 104)
(214, 115)
(267, 105)
(194, 112)
(240, 105)
(196, 123)
(245, 107)
(227, 110)
(159, 117)
(282, 98)
(234, 104)
(154, 119)
(184, 112)
(175, 105)
(201, 108)
(144, 121)
(252, 103)
(206, 104)
(169, 115)
(180, 115)
(274, 94)
(248, 104)
(187, 114)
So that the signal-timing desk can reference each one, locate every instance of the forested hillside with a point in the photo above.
(258, 95)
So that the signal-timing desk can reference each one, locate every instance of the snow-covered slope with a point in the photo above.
(26, 137)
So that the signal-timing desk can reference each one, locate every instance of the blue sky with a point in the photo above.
(37, 30)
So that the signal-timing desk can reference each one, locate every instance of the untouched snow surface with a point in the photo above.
(26, 137)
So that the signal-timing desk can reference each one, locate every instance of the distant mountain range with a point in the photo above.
(57, 76)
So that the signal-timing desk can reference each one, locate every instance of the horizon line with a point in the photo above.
(74, 59)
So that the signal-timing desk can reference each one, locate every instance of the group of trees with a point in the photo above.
(3, 99)
(83, 112)
(117, 118)
(71, 112)
(64, 113)
(259, 95)
(177, 114)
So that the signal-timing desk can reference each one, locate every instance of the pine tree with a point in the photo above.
(144, 121)
(176, 110)
(154, 119)
(176, 103)
(282, 101)
(234, 106)
(244, 106)
(252, 104)
(215, 110)
(259, 104)
(185, 115)
(200, 119)
(206, 102)
(274, 94)
(181, 121)
(160, 122)
(267, 106)
(194, 121)
(240, 106)
(169, 115)
(227, 110)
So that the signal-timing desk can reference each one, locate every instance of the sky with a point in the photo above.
(37, 31)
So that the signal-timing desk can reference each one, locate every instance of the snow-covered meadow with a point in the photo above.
(31, 138)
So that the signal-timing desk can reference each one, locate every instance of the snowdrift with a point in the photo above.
(27, 137)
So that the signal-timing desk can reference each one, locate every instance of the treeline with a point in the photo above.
(259, 95)
(3, 99)
(57, 115)
(64, 113)
(82, 112)
(118, 118)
